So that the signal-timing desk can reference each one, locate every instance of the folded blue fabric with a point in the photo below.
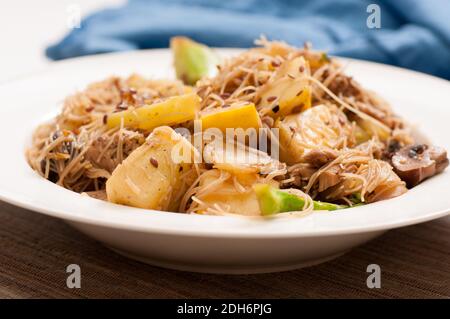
(414, 33)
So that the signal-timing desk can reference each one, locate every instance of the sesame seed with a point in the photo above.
(154, 162)
(105, 118)
(275, 64)
(301, 68)
(271, 98)
(122, 106)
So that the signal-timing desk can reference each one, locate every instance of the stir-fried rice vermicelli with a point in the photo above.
(340, 144)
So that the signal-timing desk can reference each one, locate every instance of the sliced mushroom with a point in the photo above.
(393, 147)
(319, 157)
(415, 163)
(439, 155)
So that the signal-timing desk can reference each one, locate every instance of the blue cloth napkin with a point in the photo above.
(414, 34)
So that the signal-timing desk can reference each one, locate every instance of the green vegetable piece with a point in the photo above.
(272, 201)
(318, 205)
(192, 60)
(356, 198)
(324, 58)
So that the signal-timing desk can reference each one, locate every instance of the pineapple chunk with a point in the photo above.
(289, 92)
(174, 110)
(236, 116)
(275, 49)
(241, 166)
(322, 126)
(372, 129)
(150, 177)
(316, 60)
(361, 135)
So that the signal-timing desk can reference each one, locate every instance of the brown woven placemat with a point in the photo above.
(35, 251)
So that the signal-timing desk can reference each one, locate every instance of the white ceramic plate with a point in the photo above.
(215, 243)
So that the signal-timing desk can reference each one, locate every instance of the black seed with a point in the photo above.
(56, 135)
(394, 146)
(276, 108)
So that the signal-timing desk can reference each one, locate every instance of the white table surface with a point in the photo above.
(27, 27)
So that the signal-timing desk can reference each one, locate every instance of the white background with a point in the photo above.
(27, 27)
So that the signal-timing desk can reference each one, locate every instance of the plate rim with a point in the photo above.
(14, 200)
